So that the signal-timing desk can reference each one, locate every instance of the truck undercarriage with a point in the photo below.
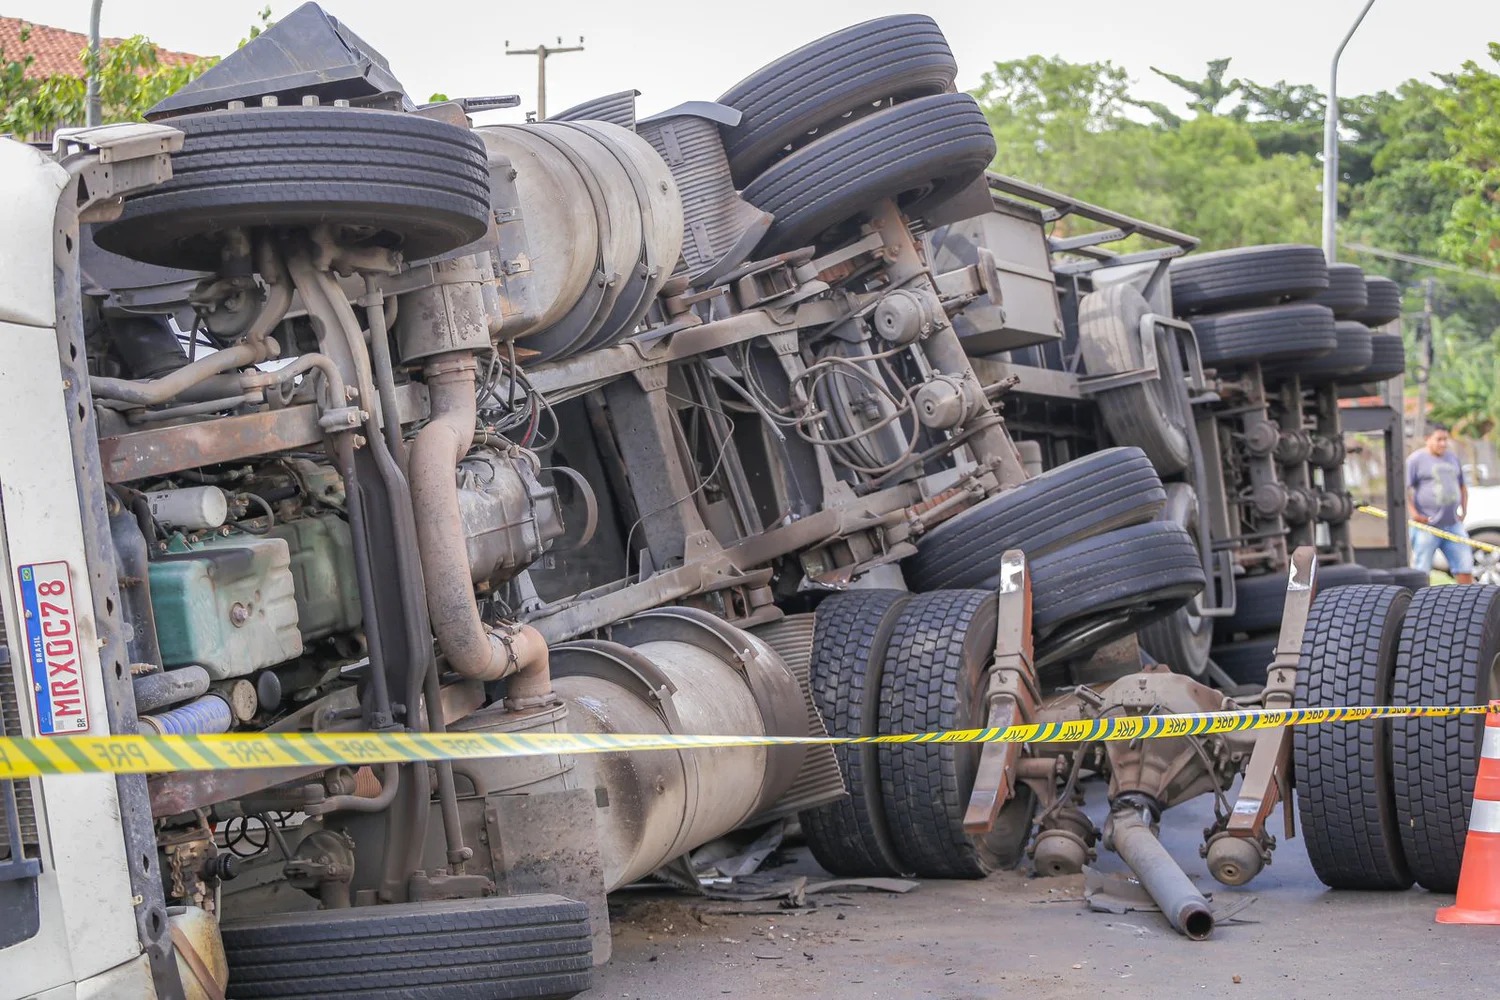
(772, 416)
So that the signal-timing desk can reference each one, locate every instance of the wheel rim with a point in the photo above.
(1486, 564)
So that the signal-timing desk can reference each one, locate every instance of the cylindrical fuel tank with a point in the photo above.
(681, 671)
(604, 225)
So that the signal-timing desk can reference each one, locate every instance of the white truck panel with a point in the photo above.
(88, 918)
(31, 182)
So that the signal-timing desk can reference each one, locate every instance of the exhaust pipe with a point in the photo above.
(1129, 834)
(471, 649)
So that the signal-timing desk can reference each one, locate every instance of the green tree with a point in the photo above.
(1226, 192)
(1064, 125)
(1464, 389)
(132, 78)
(1471, 104)
(1236, 162)
(1209, 93)
(1403, 205)
(1075, 127)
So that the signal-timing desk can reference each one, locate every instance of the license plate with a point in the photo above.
(52, 648)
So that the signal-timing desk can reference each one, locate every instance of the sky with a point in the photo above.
(680, 50)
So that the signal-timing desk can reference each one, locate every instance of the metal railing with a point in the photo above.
(1084, 252)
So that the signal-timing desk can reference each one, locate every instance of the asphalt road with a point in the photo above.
(1017, 936)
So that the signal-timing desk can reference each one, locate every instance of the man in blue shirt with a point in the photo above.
(1437, 495)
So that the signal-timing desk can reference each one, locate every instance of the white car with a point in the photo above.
(1482, 520)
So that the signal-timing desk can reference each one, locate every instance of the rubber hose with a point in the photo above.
(209, 714)
(169, 687)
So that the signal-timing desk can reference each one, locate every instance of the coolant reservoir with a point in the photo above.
(228, 604)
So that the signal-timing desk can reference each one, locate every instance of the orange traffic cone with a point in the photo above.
(1479, 879)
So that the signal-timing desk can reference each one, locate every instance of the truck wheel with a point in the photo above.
(467, 949)
(1383, 302)
(1247, 276)
(1486, 564)
(1344, 796)
(920, 153)
(1144, 414)
(1291, 332)
(1246, 661)
(1259, 600)
(1350, 357)
(1449, 655)
(935, 679)
(1416, 579)
(617, 109)
(402, 180)
(1182, 639)
(1346, 294)
(1098, 492)
(1387, 358)
(811, 89)
(850, 633)
(1108, 586)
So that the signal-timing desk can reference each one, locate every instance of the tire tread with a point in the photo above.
(1344, 798)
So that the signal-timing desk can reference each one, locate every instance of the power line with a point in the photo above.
(1411, 258)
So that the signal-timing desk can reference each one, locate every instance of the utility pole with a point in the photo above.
(1331, 144)
(542, 52)
(93, 113)
(1426, 350)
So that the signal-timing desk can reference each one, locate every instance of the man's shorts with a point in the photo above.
(1423, 544)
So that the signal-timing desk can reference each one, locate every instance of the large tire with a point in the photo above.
(1259, 600)
(1246, 661)
(1106, 587)
(1387, 358)
(1344, 769)
(1351, 356)
(1411, 579)
(1100, 492)
(1182, 639)
(935, 679)
(1145, 414)
(617, 109)
(1449, 655)
(810, 90)
(851, 837)
(920, 153)
(1346, 294)
(1293, 332)
(469, 949)
(412, 182)
(1247, 276)
(1383, 302)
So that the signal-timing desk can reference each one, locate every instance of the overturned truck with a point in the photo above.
(776, 415)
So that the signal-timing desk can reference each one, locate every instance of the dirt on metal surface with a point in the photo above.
(1016, 936)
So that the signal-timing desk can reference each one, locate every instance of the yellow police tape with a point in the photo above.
(28, 757)
(1450, 536)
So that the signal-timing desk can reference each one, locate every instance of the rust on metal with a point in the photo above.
(1014, 693)
(175, 794)
(163, 450)
(1266, 777)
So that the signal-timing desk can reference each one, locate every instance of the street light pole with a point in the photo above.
(1331, 144)
(93, 112)
(542, 52)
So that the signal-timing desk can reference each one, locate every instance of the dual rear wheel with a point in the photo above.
(886, 661)
(1386, 803)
